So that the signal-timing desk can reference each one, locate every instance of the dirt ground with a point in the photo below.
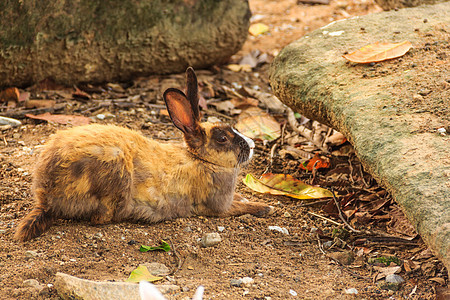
(297, 265)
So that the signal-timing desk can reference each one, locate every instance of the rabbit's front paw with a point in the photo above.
(242, 206)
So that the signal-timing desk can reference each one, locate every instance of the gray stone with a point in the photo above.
(283, 230)
(247, 281)
(70, 287)
(394, 278)
(210, 239)
(236, 282)
(30, 254)
(31, 283)
(351, 291)
(312, 78)
(105, 44)
(9, 121)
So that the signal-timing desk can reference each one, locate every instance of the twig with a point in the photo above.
(343, 267)
(362, 176)
(340, 213)
(283, 129)
(175, 252)
(218, 114)
(351, 170)
(272, 154)
(20, 113)
(6, 142)
(315, 202)
(325, 218)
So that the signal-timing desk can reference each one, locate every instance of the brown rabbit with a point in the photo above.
(105, 173)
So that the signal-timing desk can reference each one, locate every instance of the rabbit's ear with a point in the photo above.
(181, 111)
(192, 91)
(148, 291)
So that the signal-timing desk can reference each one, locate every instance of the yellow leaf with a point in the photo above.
(280, 184)
(257, 124)
(142, 273)
(378, 52)
(258, 28)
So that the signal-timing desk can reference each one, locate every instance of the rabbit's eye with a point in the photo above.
(222, 139)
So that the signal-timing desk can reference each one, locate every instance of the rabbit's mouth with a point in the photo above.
(246, 146)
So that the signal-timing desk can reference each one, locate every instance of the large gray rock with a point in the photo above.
(70, 287)
(98, 41)
(311, 77)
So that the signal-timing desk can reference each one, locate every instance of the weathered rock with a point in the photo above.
(70, 287)
(312, 78)
(9, 121)
(88, 41)
(33, 283)
(236, 282)
(210, 239)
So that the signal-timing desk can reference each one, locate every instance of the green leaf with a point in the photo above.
(164, 247)
(280, 184)
(142, 273)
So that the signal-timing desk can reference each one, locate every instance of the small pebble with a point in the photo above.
(394, 278)
(210, 239)
(31, 253)
(220, 228)
(287, 214)
(31, 283)
(313, 230)
(424, 92)
(328, 244)
(247, 281)
(293, 293)
(442, 130)
(185, 289)
(417, 97)
(351, 291)
(9, 121)
(100, 116)
(236, 282)
(279, 229)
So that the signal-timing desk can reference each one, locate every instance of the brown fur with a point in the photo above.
(105, 173)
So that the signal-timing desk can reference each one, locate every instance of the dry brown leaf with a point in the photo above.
(61, 119)
(39, 103)
(244, 102)
(439, 280)
(378, 52)
(257, 124)
(399, 223)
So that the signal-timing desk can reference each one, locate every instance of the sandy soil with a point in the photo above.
(281, 265)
